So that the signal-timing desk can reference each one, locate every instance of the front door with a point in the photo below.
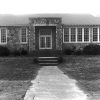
(45, 39)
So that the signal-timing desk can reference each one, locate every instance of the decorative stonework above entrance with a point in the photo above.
(45, 21)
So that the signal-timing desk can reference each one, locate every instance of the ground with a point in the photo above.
(86, 70)
(15, 76)
(16, 73)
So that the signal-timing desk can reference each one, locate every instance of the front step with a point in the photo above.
(48, 61)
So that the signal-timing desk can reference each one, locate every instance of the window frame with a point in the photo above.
(83, 35)
(76, 30)
(97, 35)
(75, 35)
(21, 36)
(64, 35)
(3, 43)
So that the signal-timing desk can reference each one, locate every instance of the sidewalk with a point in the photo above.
(52, 84)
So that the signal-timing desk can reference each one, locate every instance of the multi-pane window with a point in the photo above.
(95, 34)
(73, 34)
(66, 35)
(79, 34)
(23, 35)
(3, 35)
(99, 34)
(86, 34)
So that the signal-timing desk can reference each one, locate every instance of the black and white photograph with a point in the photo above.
(49, 49)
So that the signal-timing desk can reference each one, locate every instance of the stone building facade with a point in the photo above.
(47, 34)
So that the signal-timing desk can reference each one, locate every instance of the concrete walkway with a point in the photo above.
(52, 84)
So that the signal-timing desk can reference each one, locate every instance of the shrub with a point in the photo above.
(78, 52)
(92, 49)
(24, 52)
(16, 53)
(60, 60)
(35, 60)
(68, 51)
(4, 51)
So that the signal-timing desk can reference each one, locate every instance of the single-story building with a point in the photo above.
(48, 33)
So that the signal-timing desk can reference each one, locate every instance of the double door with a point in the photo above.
(45, 41)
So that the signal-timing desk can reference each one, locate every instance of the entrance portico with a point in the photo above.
(47, 33)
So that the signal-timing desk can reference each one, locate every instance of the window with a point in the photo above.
(95, 34)
(86, 34)
(99, 34)
(66, 35)
(3, 35)
(73, 34)
(24, 35)
(79, 34)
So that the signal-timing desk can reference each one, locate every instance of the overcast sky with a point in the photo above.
(17, 7)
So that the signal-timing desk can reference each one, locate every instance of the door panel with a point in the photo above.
(48, 42)
(42, 42)
(45, 42)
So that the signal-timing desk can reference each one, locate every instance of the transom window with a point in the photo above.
(79, 34)
(73, 34)
(95, 34)
(23, 35)
(45, 32)
(86, 34)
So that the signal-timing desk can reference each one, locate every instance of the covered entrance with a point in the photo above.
(45, 40)
(46, 36)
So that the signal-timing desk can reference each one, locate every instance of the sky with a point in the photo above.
(20, 7)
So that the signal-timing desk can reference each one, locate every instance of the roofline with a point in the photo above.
(19, 25)
(80, 25)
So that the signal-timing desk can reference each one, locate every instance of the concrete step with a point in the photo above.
(48, 61)
(48, 64)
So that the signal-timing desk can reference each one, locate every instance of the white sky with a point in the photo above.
(49, 6)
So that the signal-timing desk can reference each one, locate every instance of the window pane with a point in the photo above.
(95, 34)
(73, 34)
(3, 35)
(66, 34)
(79, 34)
(86, 34)
(23, 35)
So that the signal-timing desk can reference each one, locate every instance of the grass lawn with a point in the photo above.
(86, 70)
(15, 76)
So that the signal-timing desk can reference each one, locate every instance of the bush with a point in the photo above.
(19, 52)
(24, 52)
(78, 52)
(68, 51)
(16, 53)
(4, 51)
(92, 49)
